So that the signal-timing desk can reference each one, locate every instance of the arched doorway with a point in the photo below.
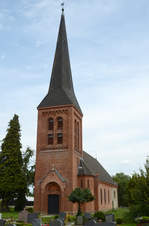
(53, 199)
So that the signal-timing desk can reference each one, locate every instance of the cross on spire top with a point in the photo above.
(62, 5)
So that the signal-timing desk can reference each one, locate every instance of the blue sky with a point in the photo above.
(109, 53)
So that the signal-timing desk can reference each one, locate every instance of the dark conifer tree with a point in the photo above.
(12, 177)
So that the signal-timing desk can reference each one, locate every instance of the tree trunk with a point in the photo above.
(79, 209)
(4, 205)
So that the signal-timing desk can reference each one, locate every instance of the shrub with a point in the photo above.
(30, 209)
(70, 218)
(99, 215)
(119, 221)
(46, 220)
(55, 217)
(143, 219)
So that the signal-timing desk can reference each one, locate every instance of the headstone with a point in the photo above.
(106, 224)
(79, 220)
(31, 217)
(0, 216)
(87, 215)
(109, 218)
(23, 216)
(36, 222)
(2, 222)
(57, 222)
(90, 223)
(62, 216)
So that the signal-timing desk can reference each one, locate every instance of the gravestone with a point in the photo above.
(23, 216)
(109, 218)
(31, 217)
(88, 216)
(62, 216)
(79, 220)
(90, 223)
(36, 222)
(0, 216)
(57, 222)
(2, 222)
(106, 224)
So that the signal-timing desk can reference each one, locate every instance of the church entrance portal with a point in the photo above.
(53, 198)
(53, 204)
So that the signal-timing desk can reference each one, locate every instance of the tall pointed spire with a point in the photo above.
(61, 91)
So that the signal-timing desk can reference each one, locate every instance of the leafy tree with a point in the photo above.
(28, 168)
(139, 192)
(80, 196)
(123, 195)
(29, 178)
(12, 177)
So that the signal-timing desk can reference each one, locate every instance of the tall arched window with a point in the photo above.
(75, 133)
(59, 123)
(78, 135)
(50, 138)
(105, 195)
(59, 138)
(88, 183)
(101, 196)
(81, 183)
(108, 196)
(50, 124)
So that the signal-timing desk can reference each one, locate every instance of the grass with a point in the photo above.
(133, 224)
(120, 212)
(124, 214)
(10, 215)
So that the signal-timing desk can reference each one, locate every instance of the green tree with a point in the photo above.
(139, 192)
(123, 195)
(29, 171)
(80, 196)
(12, 177)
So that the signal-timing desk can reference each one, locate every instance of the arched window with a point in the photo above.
(88, 183)
(105, 196)
(81, 183)
(114, 194)
(101, 196)
(50, 138)
(108, 196)
(50, 124)
(75, 134)
(78, 135)
(59, 123)
(59, 138)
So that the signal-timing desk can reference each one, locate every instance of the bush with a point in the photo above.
(143, 219)
(46, 220)
(99, 215)
(70, 218)
(29, 209)
(119, 221)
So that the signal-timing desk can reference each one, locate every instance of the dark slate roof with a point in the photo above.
(84, 170)
(93, 167)
(61, 91)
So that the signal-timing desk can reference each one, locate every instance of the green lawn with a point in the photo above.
(10, 215)
(123, 213)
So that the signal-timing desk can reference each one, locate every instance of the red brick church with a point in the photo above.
(61, 164)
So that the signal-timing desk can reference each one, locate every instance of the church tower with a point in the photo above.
(59, 136)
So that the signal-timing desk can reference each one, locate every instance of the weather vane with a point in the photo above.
(62, 5)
